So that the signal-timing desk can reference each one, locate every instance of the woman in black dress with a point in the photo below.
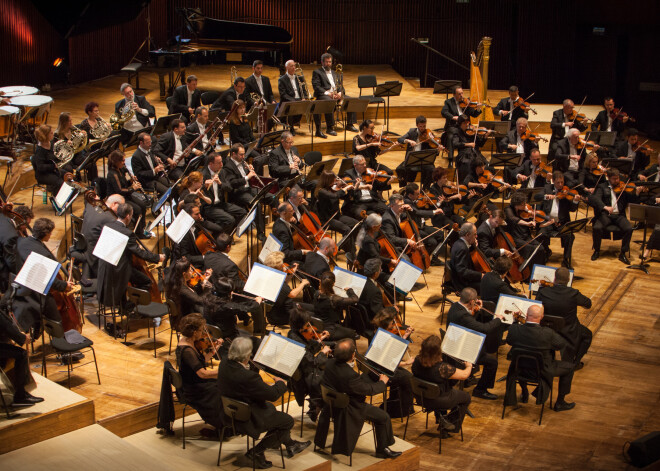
(178, 289)
(368, 145)
(200, 387)
(328, 195)
(44, 161)
(429, 366)
(329, 307)
(120, 181)
(240, 131)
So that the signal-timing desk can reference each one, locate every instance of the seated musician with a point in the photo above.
(44, 162)
(364, 196)
(340, 376)
(569, 157)
(283, 232)
(478, 190)
(9, 332)
(467, 147)
(199, 127)
(367, 144)
(95, 126)
(452, 110)
(513, 142)
(329, 191)
(236, 173)
(120, 182)
(237, 380)
(529, 174)
(416, 139)
(463, 313)
(148, 168)
(429, 366)
(391, 223)
(419, 214)
(258, 83)
(588, 178)
(463, 271)
(189, 299)
(521, 230)
(562, 301)
(296, 199)
(94, 219)
(64, 132)
(449, 197)
(8, 236)
(372, 296)
(318, 262)
(559, 210)
(610, 210)
(327, 86)
(187, 246)
(199, 383)
(329, 307)
(170, 147)
(317, 353)
(487, 233)
(233, 93)
(506, 110)
(290, 90)
(186, 98)
(604, 121)
(627, 149)
(562, 121)
(284, 304)
(533, 336)
(284, 161)
(651, 173)
(494, 282)
(240, 129)
(369, 248)
(139, 104)
(215, 206)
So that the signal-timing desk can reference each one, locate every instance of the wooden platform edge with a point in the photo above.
(409, 460)
(48, 425)
(138, 420)
(325, 466)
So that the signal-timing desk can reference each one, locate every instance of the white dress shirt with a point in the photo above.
(293, 80)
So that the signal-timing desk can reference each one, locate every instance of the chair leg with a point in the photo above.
(405, 430)
(282, 454)
(155, 356)
(440, 438)
(541, 416)
(183, 430)
(96, 365)
(302, 418)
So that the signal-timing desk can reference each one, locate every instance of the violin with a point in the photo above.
(207, 345)
(529, 213)
(628, 187)
(385, 143)
(567, 193)
(528, 135)
(588, 144)
(452, 189)
(523, 104)
(480, 132)
(544, 170)
(311, 332)
(542, 282)
(428, 137)
(372, 175)
(467, 103)
(424, 201)
(579, 118)
(488, 178)
(616, 113)
(197, 278)
(518, 315)
(644, 149)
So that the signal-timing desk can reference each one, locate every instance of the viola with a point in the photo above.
(528, 135)
(418, 253)
(628, 187)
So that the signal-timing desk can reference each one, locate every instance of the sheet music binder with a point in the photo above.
(36, 265)
(269, 369)
(452, 330)
(393, 360)
(253, 287)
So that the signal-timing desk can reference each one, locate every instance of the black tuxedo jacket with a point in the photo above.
(231, 177)
(166, 146)
(180, 101)
(141, 168)
(565, 206)
(315, 265)
(393, 230)
(562, 154)
(536, 337)
(222, 265)
(512, 138)
(282, 232)
(526, 169)
(93, 222)
(371, 298)
(375, 187)
(193, 132)
(222, 188)
(252, 87)
(602, 197)
(188, 248)
(142, 103)
(370, 248)
(462, 269)
(450, 109)
(228, 97)
(505, 105)
(557, 125)
(287, 92)
(600, 123)
(640, 160)
(562, 301)
(278, 163)
(486, 239)
(321, 84)
(460, 316)
(413, 135)
(492, 285)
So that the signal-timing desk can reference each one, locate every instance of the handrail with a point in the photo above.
(415, 40)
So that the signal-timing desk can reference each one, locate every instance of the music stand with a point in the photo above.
(445, 87)
(263, 192)
(572, 227)
(622, 165)
(288, 184)
(352, 105)
(476, 208)
(532, 194)
(317, 169)
(506, 160)
(321, 107)
(163, 124)
(602, 138)
(107, 146)
(346, 238)
(293, 108)
(344, 165)
(270, 140)
(419, 158)
(388, 89)
(649, 215)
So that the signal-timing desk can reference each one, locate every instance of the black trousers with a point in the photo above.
(449, 400)
(409, 174)
(21, 366)
(226, 215)
(139, 203)
(566, 241)
(574, 353)
(618, 220)
(330, 118)
(338, 332)
(489, 363)
(382, 424)
(564, 370)
(160, 184)
(279, 432)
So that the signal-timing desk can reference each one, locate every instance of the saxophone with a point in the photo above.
(65, 149)
(101, 130)
(117, 120)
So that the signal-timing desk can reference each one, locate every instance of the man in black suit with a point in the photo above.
(227, 215)
(372, 296)
(627, 149)
(604, 121)
(340, 376)
(532, 336)
(283, 232)
(512, 142)
(94, 219)
(199, 126)
(411, 139)
(237, 380)
(506, 110)
(462, 269)
(562, 301)
(494, 282)
(317, 263)
(170, 147)
(521, 231)
(148, 170)
(284, 161)
(452, 110)
(391, 223)
(187, 246)
(462, 313)
(487, 233)
(610, 209)
(430, 235)
(569, 157)
(139, 104)
(186, 98)
(233, 93)
(364, 196)
(651, 174)
(290, 89)
(259, 83)
(8, 237)
(327, 87)
(561, 122)
(467, 146)
(526, 174)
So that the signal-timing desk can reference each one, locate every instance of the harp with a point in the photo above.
(479, 78)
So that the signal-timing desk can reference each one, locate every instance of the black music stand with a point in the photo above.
(506, 160)
(321, 107)
(293, 108)
(532, 194)
(317, 169)
(163, 124)
(602, 138)
(445, 87)
(572, 227)
(622, 165)
(107, 146)
(419, 158)
(270, 140)
(388, 89)
(530, 258)
(476, 208)
(350, 236)
(344, 165)
(649, 215)
(288, 184)
(352, 105)
(131, 137)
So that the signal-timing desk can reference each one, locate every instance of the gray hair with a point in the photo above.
(521, 120)
(290, 61)
(572, 132)
(567, 102)
(358, 158)
(240, 349)
(115, 198)
(466, 229)
(373, 220)
(326, 243)
(295, 191)
(285, 135)
(124, 86)
(371, 266)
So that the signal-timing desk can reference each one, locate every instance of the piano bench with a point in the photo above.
(133, 70)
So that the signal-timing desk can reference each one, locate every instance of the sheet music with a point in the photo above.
(348, 279)
(110, 246)
(546, 273)
(265, 282)
(63, 195)
(271, 245)
(280, 353)
(404, 276)
(247, 222)
(386, 349)
(180, 227)
(513, 303)
(462, 343)
(158, 220)
(38, 273)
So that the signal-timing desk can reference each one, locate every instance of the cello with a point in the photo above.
(418, 253)
(505, 241)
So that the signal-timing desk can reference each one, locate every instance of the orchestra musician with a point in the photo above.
(93, 120)
(506, 110)
(120, 181)
(605, 122)
(329, 307)
(590, 175)
(233, 93)
(494, 282)
(327, 87)
(187, 246)
(8, 237)
(240, 131)
(259, 83)
(463, 273)
(521, 231)
(528, 174)
(318, 262)
(369, 247)
(237, 380)
(148, 168)
(171, 145)
(367, 144)
(198, 126)
(467, 146)
(186, 99)
(487, 233)
(651, 173)
(215, 206)
(419, 215)
(139, 104)
(284, 304)
(447, 201)
(329, 191)
(290, 90)
(513, 142)
(391, 223)
(189, 299)
(94, 220)
(364, 196)
(562, 121)
(417, 138)
(372, 296)
(64, 131)
(284, 161)
(44, 162)
(296, 199)
(477, 189)
(569, 158)
(627, 149)
(282, 231)
(452, 110)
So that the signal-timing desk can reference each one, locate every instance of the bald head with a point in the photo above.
(535, 313)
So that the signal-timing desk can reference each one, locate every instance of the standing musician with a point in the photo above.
(494, 282)
(506, 110)
(559, 209)
(529, 174)
(282, 231)
(171, 145)
(44, 162)
(259, 83)
(467, 146)
(329, 307)
(372, 296)
(487, 233)
(186, 99)
(284, 305)
(237, 381)
(417, 138)
(369, 247)
(329, 191)
(364, 196)
(463, 313)
(452, 110)
(608, 120)
(327, 87)
(240, 131)
(318, 262)
(290, 90)
(513, 141)
(64, 131)
(569, 157)
(463, 273)
(284, 161)
(198, 126)
(94, 219)
(368, 144)
(147, 167)
(628, 149)
(113, 279)
(610, 204)
(233, 93)
(218, 209)
(521, 230)
(443, 190)
(419, 216)
(121, 182)
(562, 121)
(562, 301)
(139, 104)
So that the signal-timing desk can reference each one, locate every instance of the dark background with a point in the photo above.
(545, 47)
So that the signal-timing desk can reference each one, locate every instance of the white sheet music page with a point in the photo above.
(280, 353)
(545, 273)
(110, 246)
(271, 245)
(348, 279)
(462, 344)
(246, 223)
(180, 227)
(386, 349)
(507, 304)
(63, 195)
(404, 276)
(38, 273)
(265, 282)
(158, 219)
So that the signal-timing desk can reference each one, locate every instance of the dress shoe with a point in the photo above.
(624, 259)
(484, 395)
(565, 264)
(296, 447)
(387, 453)
(26, 400)
(445, 424)
(352, 128)
(595, 255)
(436, 262)
(578, 366)
(524, 397)
(563, 405)
(313, 414)
(332, 132)
(321, 135)
(260, 461)
(471, 381)
(261, 237)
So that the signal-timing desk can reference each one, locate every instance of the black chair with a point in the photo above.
(239, 411)
(312, 157)
(423, 390)
(174, 321)
(388, 391)
(209, 97)
(556, 323)
(526, 367)
(168, 103)
(358, 320)
(370, 81)
(36, 185)
(145, 307)
(177, 382)
(62, 347)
